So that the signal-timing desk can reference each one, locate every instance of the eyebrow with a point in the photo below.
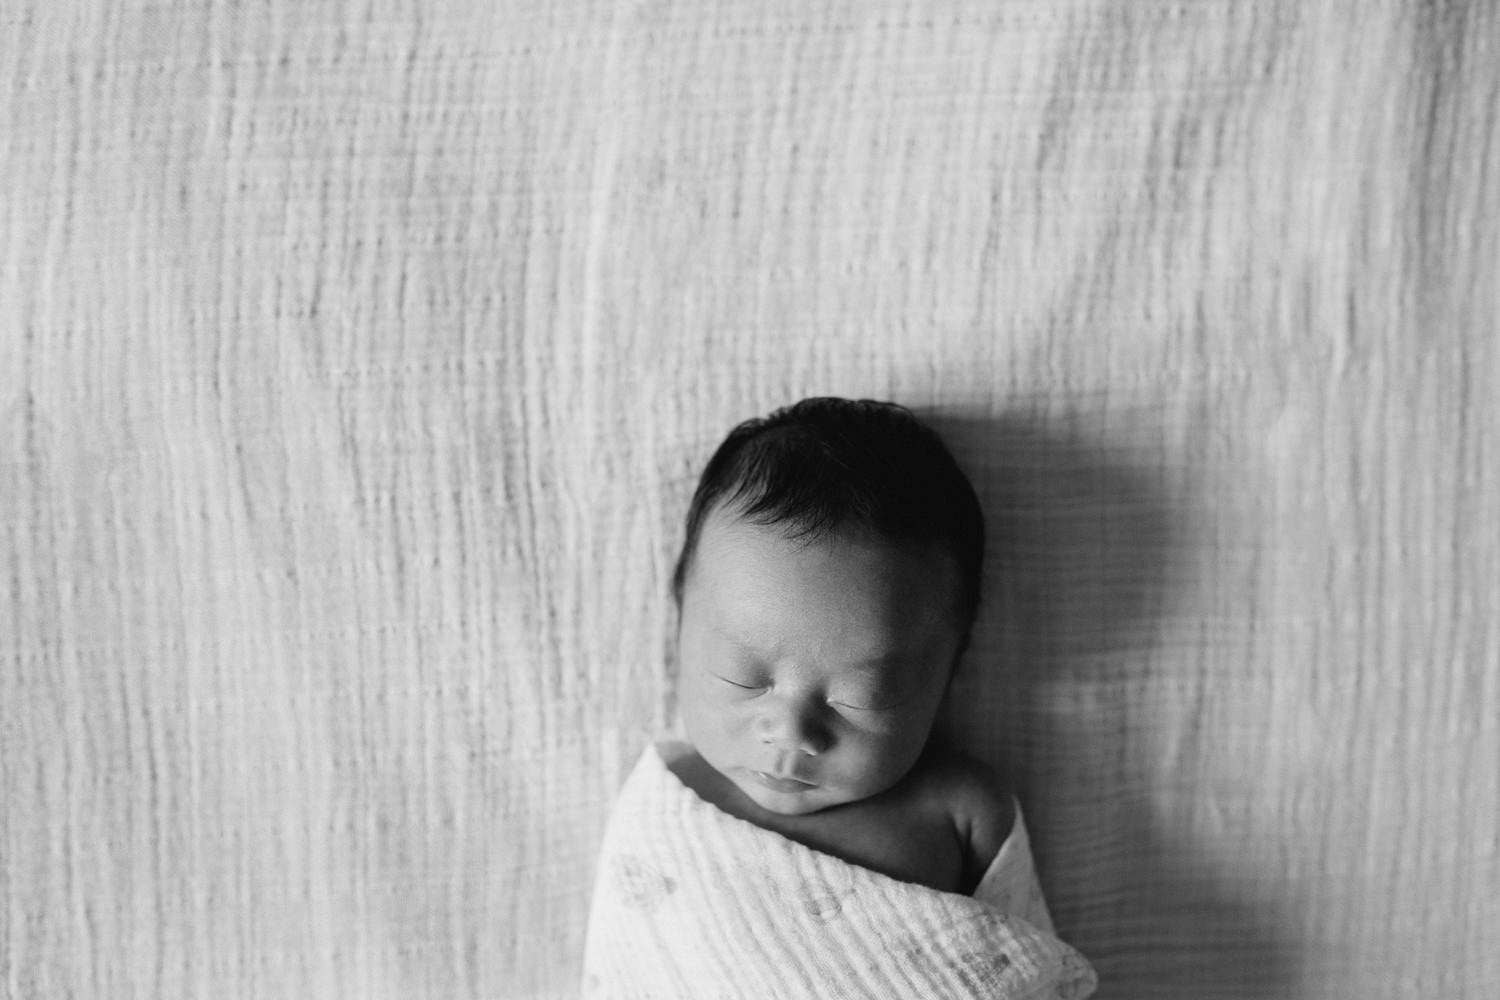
(867, 664)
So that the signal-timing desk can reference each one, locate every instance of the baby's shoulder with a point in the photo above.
(978, 804)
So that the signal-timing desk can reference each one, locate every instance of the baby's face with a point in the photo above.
(810, 675)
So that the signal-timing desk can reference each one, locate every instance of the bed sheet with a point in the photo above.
(357, 360)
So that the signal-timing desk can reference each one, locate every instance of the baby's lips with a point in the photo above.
(784, 785)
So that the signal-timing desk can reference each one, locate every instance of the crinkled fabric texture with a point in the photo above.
(693, 903)
(357, 360)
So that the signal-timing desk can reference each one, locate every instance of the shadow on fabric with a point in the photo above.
(1066, 689)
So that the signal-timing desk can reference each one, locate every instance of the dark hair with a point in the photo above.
(827, 465)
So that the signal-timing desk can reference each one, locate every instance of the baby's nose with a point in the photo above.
(792, 727)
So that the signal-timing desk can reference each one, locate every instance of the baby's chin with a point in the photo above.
(791, 803)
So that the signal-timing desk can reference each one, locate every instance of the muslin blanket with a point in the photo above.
(693, 902)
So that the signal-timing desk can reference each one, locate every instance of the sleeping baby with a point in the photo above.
(809, 836)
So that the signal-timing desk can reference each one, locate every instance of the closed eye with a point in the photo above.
(742, 687)
(864, 708)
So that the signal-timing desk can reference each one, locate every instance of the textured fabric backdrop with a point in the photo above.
(357, 360)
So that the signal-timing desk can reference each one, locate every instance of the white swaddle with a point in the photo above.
(693, 902)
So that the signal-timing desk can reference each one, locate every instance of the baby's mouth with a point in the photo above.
(788, 786)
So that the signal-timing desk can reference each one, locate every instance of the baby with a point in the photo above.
(810, 838)
(826, 588)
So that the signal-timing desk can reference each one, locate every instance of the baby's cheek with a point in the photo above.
(891, 752)
(697, 711)
(716, 719)
(894, 726)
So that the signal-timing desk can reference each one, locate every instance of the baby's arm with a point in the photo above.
(983, 814)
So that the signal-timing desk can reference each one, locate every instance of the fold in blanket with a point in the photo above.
(693, 902)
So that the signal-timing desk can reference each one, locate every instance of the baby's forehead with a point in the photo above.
(728, 536)
(867, 593)
(733, 519)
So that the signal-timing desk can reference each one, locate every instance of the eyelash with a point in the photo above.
(840, 704)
